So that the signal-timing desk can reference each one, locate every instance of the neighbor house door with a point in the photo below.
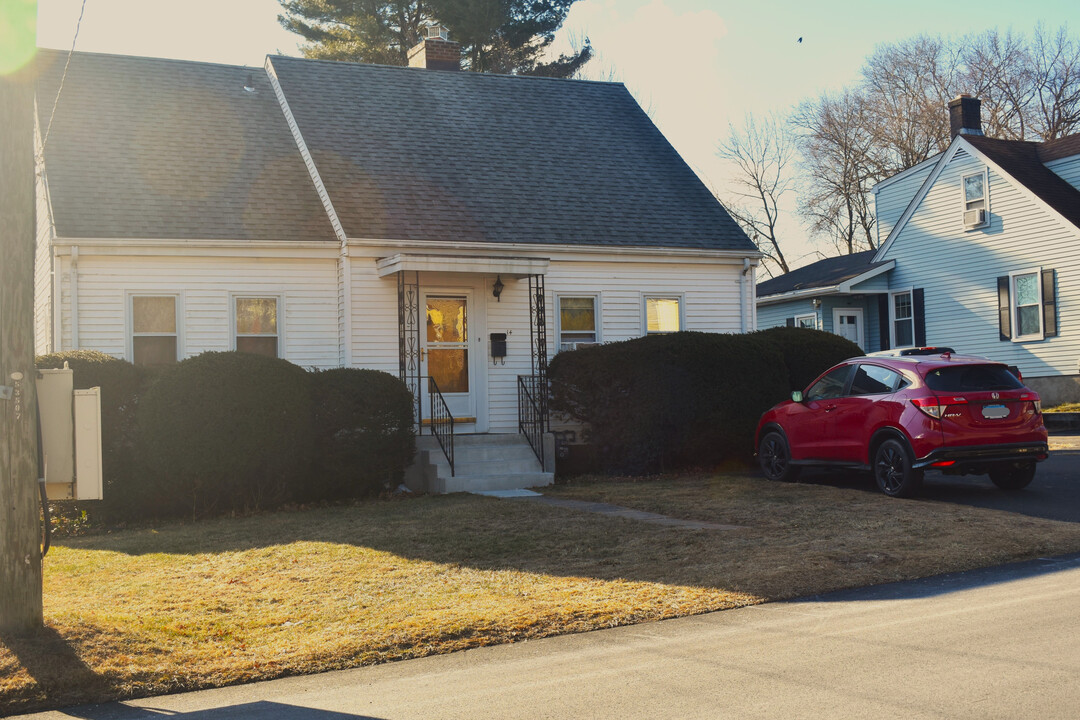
(848, 323)
(445, 354)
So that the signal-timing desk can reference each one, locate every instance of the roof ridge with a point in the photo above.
(151, 58)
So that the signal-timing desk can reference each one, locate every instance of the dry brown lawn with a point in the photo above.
(183, 606)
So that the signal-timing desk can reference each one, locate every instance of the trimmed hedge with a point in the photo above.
(363, 425)
(686, 399)
(121, 384)
(224, 432)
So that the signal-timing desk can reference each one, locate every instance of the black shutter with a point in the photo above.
(919, 312)
(790, 322)
(1004, 311)
(883, 321)
(1049, 299)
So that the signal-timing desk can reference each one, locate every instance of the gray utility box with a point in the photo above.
(70, 436)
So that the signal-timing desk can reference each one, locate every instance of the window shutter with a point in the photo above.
(919, 313)
(790, 322)
(1049, 298)
(1004, 311)
(883, 321)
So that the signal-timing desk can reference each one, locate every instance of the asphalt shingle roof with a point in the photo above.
(1022, 161)
(167, 149)
(419, 154)
(824, 273)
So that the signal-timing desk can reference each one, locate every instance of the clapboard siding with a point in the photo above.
(43, 279)
(892, 197)
(958, 269)
(205, 286)
(777, 314)
(711, 293)
(1068, 169)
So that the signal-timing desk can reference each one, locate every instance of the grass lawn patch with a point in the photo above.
(185, 606)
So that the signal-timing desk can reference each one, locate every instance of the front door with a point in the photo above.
(848, 323)
(445, 352)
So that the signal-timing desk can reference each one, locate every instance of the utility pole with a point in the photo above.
(20, 520)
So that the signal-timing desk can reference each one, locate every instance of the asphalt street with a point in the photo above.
(994, 643)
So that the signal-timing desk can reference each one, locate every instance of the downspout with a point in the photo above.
(744, 310)
(74, 275)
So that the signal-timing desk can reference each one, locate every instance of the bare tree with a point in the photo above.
(1056, 68)
(838, 149)
(761, 152)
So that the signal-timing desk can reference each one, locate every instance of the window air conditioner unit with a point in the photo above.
(974, 218)
(574, 345)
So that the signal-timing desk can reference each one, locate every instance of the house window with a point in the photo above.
(1027, 305)
(903, 320)
(577, 321)
(663, 315)
(975, 192)
(153, 330)
(257, 325)
(806, 321)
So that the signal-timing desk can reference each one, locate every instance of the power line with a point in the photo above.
(63, 77)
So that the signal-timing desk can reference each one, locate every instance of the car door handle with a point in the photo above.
(830, 408)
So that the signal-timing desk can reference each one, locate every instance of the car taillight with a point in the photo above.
(1035, 400)
(935, 406)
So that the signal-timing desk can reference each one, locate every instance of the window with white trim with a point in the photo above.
(663, 314)
(1027, 309)
(577, 321)
(975, 191)
(806, 321)
(256, 325)
(902, 311)
(154, 340)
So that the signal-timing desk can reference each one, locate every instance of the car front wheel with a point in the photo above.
(893, 472)
(774, 457)
(1014, 475)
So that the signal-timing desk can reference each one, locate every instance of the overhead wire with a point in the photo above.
(63, 78)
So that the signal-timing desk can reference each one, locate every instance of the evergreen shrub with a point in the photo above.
(363, 428)
(686, 399)
(223, 432)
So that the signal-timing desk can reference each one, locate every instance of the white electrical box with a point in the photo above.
(70, 436)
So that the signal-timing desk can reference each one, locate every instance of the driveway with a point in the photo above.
(1054, 494)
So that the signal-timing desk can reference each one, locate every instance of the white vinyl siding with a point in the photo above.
(962, 268)
(892, 198)
(43, 279)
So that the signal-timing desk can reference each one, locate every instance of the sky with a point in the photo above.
(694, 65)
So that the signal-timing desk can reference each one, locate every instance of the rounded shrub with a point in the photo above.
(224, 431)
(686, 399)
(363, 427)
(121, 385)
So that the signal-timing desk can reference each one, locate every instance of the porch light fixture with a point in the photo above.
(497, 289)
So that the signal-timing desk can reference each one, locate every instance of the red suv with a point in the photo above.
(901, 415)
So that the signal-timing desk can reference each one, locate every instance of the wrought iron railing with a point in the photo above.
(532, 418)
(442, 422)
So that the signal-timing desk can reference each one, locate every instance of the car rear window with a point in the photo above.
(972, 378)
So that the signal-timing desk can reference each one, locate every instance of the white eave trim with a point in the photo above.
(942, 161)
(481, 265)
(799, 294)
(847, 285)
(679, 254)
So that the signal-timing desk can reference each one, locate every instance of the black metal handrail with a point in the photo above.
(442, 422)
(531, 416)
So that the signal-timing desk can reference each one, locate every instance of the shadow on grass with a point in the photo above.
(248, 711)
(55, 667)
(952, 582)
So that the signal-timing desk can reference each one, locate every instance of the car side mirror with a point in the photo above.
(796, 396)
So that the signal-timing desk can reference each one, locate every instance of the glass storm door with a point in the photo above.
(446, 351)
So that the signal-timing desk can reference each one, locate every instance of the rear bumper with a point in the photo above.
(1003, 452)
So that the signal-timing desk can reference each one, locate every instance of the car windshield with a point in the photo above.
(972, 378)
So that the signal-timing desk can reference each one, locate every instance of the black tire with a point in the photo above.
(893, 472)
(1014, 475)
(774, 457)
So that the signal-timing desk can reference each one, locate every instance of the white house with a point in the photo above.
(429, 223)
(977, 251)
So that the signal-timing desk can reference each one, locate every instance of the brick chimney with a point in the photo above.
(436, 51)
(965, 117)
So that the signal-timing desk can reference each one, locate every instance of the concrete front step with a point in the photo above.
(481, 462)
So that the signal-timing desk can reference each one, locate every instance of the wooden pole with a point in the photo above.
(20, 520)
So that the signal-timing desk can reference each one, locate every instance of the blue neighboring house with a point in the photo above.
(979, 249)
